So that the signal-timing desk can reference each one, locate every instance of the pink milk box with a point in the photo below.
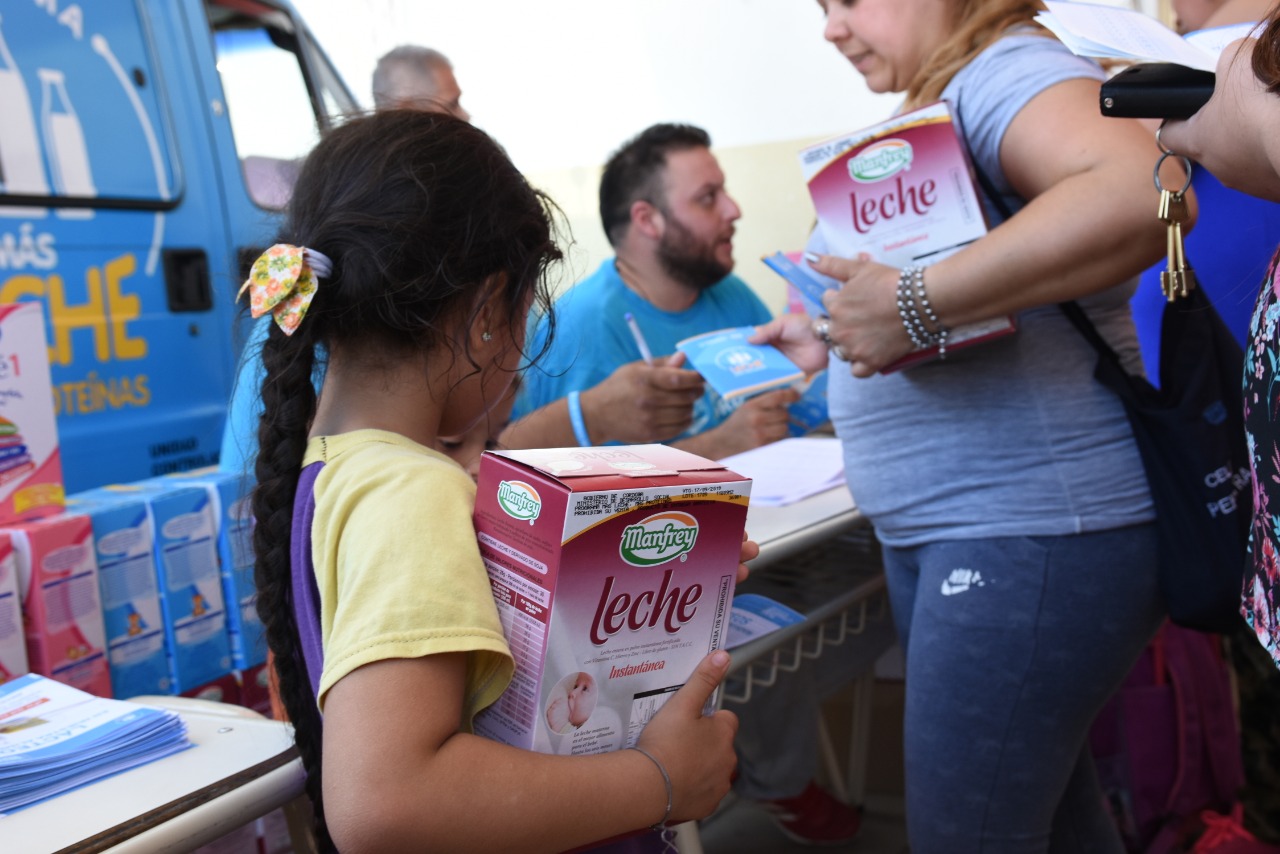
(613, 570)
(61, 605)
(13, 647)
(30, 460)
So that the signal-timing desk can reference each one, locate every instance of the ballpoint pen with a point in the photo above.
(645, 353)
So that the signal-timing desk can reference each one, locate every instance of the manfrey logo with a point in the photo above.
(880, 161)
(519, 500)
(658, 539)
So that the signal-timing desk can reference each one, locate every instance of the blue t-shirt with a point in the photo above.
(1229, 248)
(240, 435)
(1011, 437)
(592, 338)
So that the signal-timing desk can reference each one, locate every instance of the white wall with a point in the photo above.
(561, 83)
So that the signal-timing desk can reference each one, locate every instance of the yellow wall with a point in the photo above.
(765, 179)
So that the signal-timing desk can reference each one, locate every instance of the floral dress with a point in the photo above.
(1261, 595)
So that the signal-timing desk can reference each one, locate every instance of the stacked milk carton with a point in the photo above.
(229, 499)
(183, 537)
(138, 650)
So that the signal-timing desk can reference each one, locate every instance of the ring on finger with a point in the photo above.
(839, 352)
(822, 328)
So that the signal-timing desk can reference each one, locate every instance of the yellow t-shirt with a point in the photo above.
(396, 562)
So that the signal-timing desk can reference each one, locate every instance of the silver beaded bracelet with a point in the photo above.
(914, 300)
(907, 310)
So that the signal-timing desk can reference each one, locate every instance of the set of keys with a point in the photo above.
(1178, 278)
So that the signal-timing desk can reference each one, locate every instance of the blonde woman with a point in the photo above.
(1003, 481)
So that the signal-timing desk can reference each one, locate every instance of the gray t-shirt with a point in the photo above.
(1012, 437)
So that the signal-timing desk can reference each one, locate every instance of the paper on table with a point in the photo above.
(1113, 32)
(786, 471)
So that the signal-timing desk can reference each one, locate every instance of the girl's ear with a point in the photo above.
(490, 316)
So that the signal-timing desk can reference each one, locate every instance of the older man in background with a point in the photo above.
(411, 77)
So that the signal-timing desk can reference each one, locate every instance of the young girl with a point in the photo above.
(415, 251)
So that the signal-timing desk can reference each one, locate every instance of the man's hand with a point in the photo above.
(641, 403)
(758, 421)
(792, 333)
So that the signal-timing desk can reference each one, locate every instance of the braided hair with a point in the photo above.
(420, 213)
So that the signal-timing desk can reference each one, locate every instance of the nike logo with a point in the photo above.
(961, 580)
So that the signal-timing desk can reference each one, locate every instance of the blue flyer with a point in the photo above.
(735, 368)
(810, 284)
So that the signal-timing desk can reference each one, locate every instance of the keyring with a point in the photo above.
(1160, 143)
(1186, 165)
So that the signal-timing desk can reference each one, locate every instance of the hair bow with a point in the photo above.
(283, 282)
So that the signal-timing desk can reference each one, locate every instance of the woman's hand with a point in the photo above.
(1234, 134)
(864, 313)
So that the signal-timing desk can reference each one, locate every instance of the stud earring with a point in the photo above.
(485, 336)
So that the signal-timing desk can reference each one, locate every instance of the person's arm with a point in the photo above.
(240, 432)
(1236, 135)
(399, 776)
(1089, 224)
(637, 403)
(758, 421)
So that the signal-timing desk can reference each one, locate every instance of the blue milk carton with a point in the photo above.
(229, 495)
(186, 544)
(138, 652)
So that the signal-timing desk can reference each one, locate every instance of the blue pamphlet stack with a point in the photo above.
(55, 738)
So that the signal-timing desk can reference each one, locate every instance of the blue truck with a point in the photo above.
(146, 149)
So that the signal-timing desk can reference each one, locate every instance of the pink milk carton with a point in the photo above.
(613, 570)
(61, 608)
(30, 461)
(13, 647)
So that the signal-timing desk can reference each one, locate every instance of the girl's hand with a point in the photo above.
(864, 313)
(696, 750)
(793, 335)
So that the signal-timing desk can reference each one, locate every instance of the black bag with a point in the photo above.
(1190, 433)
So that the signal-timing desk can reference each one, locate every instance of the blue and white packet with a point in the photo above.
(735, 368)
(809, 283)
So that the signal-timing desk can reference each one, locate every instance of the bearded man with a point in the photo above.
(667, 215)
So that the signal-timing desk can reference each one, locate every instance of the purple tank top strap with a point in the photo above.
(306, 596)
